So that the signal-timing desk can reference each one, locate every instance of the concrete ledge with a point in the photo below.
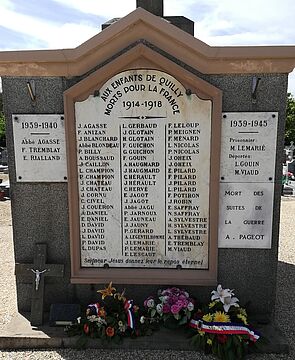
(19, 334)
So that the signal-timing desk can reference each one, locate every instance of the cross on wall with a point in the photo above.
(38, 271)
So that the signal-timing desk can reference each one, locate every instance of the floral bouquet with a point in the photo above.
(112, 318)
(172, 306)
(286, 177)
(222, 327)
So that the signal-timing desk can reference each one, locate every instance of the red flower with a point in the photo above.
(86, 328)
(222, 339)
(110, 331)
(166, 309)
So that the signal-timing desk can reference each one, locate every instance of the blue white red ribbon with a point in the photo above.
(224, 328)
(95, 306)
(128, 307)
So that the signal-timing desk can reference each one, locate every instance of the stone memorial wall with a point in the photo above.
(127, 187)
(143, 165)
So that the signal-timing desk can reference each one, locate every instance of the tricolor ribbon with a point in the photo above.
(95, 306)
(128, 308)
(224, 328)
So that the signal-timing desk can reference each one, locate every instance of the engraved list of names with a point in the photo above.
(143, 150)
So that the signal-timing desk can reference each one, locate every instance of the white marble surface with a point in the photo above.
(39, 146)
(143, 151)
(248, 146)
(245, 215)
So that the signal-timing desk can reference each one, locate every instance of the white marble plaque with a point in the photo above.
(143, 150)
(245, 215)
(248, 147)
(39, 146)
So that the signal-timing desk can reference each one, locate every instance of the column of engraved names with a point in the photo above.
(143, 233)
(96, 170)
(185, 225)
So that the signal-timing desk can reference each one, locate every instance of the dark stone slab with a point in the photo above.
(63, 314)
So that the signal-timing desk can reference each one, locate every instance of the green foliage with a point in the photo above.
(290, 120)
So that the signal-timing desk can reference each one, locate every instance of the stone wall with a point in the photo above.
(40, 210)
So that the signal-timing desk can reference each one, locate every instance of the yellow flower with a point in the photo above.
(243, 311)
(121, 296)
(207, 317)
(202, 333)
(221, 317)
(212, 304)
(242, 318)
(107, 291)
(209, 342)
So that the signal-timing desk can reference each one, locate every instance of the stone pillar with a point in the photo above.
(153, 6)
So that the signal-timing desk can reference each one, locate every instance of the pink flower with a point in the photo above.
(175, 309)
(182, 303)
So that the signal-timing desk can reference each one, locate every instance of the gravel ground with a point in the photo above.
(284, 308)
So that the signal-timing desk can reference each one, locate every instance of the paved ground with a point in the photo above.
(285, 309)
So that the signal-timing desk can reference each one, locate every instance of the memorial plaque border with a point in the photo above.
(142, 57)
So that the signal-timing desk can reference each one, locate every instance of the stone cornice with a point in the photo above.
(141, 24)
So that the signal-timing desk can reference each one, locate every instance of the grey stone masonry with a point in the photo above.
(40, 210)
(153, 6)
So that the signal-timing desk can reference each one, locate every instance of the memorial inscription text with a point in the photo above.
(247, 179)
(143, 157)
(39, 145)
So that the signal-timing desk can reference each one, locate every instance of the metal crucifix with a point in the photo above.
(38, 276)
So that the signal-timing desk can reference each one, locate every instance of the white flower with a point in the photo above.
(79, 320)
(159, 308)
(92, 318)
(122, 326)
(142, 320)
(101, 321)
(186, 294)
(164, 299)
(150, 303)
(190, 306)
(225, 296)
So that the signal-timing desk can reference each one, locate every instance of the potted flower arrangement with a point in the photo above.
(222, 327)
(110, 319)
(172, 306)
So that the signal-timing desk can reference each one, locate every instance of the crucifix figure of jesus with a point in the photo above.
(49, 270)
(37, 277)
